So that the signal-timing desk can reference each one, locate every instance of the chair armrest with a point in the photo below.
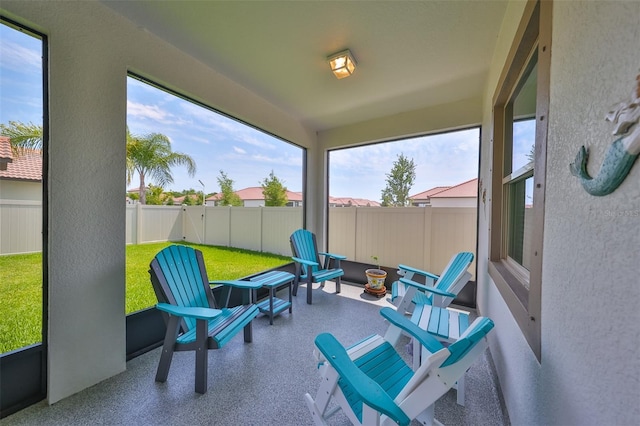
(418, 271)
(426, 288)
(333, 256)
(399, 320)
(305, 262)
(189, 312)
(370, 391)
(237, 283)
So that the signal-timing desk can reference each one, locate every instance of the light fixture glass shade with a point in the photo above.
(342, 64)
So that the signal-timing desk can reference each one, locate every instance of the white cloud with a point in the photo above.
(152, 112)
(239, 150)
(20, 58)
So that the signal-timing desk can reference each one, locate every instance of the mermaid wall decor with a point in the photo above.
(621, 155)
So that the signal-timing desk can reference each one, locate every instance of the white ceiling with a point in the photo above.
(410, 54)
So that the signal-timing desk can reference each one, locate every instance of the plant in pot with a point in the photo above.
(375, 280)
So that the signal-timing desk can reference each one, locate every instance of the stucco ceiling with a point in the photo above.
(410, 54)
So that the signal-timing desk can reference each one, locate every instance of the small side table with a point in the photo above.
(271, 280)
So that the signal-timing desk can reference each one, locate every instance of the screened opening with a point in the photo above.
(197, 176)
(21, 186)
(412, 201)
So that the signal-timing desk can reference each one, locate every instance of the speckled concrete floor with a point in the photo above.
(261, 383)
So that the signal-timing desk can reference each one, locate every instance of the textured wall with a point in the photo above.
(589, 373)
(597, 59)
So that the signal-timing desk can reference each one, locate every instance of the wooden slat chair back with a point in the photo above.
(309, 266)
(181, 280)
(305, 246)
(195, 321)
(438, 291)
(372, 384)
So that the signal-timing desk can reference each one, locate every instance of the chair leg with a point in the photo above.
(309, 289)
(271, 291)
(248, 332)
(338, 285)
(427, 417)
(167, 349)
(460, 390)
(202, 356)
(294, 291)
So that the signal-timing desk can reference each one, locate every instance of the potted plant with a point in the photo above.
(375, 280)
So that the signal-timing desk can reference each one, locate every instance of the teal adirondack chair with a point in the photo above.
(372, 383)
(195, 321)
(309, 268)
(438, 290)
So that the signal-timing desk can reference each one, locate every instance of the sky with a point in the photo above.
(246, 155)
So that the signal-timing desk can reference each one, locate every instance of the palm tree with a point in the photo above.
(148, 155)
(22, 136)
(151, 156)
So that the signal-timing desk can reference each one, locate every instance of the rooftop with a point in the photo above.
(429, 192)
(468, 189)
(27, 166)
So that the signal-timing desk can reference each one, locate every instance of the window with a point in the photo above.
(521, 107)
(519, 171)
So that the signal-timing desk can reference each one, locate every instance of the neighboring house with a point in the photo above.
(464, 194)
(351, 202)
(20, 175)
(180, 200)
(253, 197)
(6, 156)
(423, 199)
(461, 195)
(136, 191)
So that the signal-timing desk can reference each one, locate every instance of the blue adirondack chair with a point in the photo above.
(309, 268)
(438, 290)
(195, 321)
(372, 383)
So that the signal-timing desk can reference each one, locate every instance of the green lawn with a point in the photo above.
(21, 284)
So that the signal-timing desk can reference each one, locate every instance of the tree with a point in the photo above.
(151, 156)
(22, 136)
(399, 183)
(229, 198)
(148, 155)
(275, 193)
(156, 196)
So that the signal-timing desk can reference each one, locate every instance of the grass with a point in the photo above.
(21, 284)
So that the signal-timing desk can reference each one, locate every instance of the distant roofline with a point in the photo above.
(467, 189)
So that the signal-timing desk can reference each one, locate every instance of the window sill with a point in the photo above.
(516, 297)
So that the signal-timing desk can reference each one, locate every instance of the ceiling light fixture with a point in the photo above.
(342, 64)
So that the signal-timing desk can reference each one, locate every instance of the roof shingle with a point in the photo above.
(26, 166)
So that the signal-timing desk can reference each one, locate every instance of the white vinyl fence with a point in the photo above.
(423, 237)
(20, 226)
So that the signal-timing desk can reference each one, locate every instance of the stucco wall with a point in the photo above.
(589, 373)
(468, 202)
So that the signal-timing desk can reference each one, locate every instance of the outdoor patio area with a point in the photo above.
(258, 383)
